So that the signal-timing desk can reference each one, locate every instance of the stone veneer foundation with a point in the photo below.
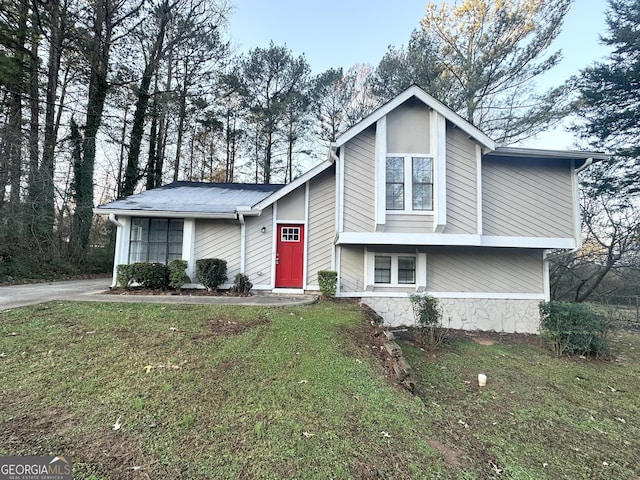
(500, 315)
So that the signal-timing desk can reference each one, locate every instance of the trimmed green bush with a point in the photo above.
(123, 276)
(149, 275)
(327, 279)
(574, 329)
(428, 314)
(211, 272)
(177, 273)
(241, 284)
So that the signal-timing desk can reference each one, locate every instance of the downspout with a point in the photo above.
(243, 241)
(113, 219)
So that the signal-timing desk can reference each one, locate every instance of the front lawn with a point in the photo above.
(153, 391)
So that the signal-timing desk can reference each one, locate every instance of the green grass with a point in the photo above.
(291, 393)
(539, 416)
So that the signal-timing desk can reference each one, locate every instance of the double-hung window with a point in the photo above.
(155, 240)
(409, 183)
(395, 269)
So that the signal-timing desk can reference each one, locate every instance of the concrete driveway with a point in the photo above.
(91, 290)
(21, 295)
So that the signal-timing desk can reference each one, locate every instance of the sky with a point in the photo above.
(334, 33)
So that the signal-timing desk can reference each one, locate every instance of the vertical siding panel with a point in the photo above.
(461, 183)
(259, 251)
(527, 198)
(359, 183)
(219, 239)
(485, 270)
(321, 224)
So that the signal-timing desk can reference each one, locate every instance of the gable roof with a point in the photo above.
(195, 199)
(424, 97)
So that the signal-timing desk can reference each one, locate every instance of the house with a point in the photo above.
(412, 199)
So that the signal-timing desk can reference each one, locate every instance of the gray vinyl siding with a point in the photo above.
(408, 128)
(259, 247)
(399, 223)
(359, 183)
(291, 208)
(321, 224)
(527, 198)
(351, 269)
(219, 239)
(491, 270)
(462, 210)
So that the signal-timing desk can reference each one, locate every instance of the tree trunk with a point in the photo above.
(132, 172)
(47, 166)
(98, 86)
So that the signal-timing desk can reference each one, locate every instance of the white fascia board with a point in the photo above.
(384, 238)
(163, 214)
(436, 239)
(527, 242)
(424, 97)
(545, 153)
(290, 187)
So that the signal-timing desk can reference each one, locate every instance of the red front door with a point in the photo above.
(290, 256)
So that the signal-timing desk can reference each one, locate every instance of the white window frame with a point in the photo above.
(421, 270)
(408, 183)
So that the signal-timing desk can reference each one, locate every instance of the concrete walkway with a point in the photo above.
(15, 296)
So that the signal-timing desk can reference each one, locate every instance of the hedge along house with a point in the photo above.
(412, 199)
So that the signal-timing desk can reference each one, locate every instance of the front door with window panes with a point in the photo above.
(290, 256)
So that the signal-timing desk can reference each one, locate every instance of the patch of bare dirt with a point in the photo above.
(229, 327)
(451, 456)
(114, 454)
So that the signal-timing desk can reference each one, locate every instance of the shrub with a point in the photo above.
(241, 284)
(177, 273)
(574, 329)
(428, 314)
(327, 279)
(150, 275)
(211, 272)
(123, 276)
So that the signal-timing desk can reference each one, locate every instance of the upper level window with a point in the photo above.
(409, 183)
(155, 240)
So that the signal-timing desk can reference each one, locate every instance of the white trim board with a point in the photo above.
(437, 239)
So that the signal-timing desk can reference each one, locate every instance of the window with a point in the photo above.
(290, 234)
(407, 270)
(422, 184)
(395, 269)
(409, 183)
(395, 183)
(383, 269)
(155, 240)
